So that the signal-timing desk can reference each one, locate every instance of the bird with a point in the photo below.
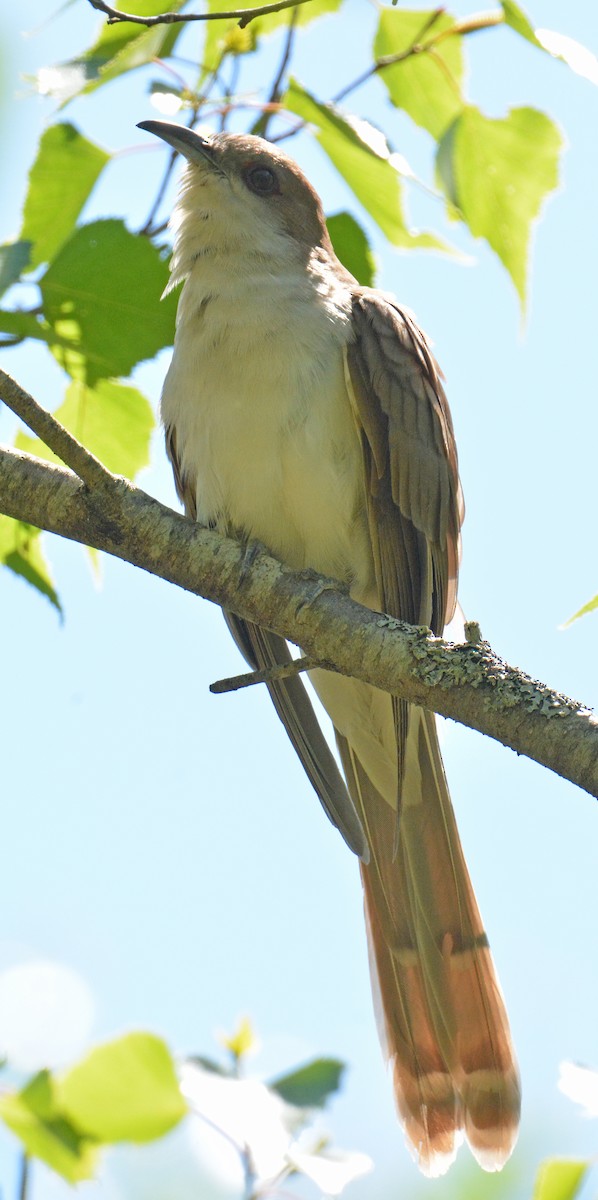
(306, 413)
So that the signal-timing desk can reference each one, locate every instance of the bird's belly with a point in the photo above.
(274, 454)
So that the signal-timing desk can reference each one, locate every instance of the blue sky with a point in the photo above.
(164, 843)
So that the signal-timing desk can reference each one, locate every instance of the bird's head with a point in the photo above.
(241, 194)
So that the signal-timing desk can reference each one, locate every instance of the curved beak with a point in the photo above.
(188, 143)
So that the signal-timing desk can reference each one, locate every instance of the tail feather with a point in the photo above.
(440, 1009)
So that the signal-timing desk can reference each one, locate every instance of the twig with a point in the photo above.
(230, 91)
(261, 125)
(267, 675)
(24, 1175)
(473, 24)
(244, 16)
(417, 47)
(467, 683)
(89, 468)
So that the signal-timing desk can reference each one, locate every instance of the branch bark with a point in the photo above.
(468, 683)
(243, 15)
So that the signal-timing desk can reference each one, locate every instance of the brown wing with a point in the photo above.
(440, 1008)
(410, 459)
(262, 649)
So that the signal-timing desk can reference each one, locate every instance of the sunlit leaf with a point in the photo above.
(591, 606)
(359, 152)
(351, 246)
(14, 259)
(226, 36)
(577, 57)
(559, 1179)
(60, 181)
(519, 21)
(426, 85)
(312, 1085)
(331, 1170)
(101, 298)
(112, 420)
(19, 325)
(242, 1041)
(21, 551)
(120, 47)
(558, 45)
(34, 1116)
(577, 1082)
(125, 1090)
(497, 173)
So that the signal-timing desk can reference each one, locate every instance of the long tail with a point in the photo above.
(440, 1009)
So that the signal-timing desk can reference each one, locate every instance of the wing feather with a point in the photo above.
(262, 649)
(440, 1008)
(410, 458)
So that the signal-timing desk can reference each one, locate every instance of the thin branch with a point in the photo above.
(261, 125)
(467, 683)
(230, 92)
(243, 15)
(267, 675)
(389, 60)
(472, 24)
(54, 435)
(24, 1175)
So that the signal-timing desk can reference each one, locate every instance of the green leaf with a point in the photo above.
(101, 298)
(32, 1114)
(310, 1086)
(352, 247)
(120, 47)
(112, 420)
(559, 1179)
(305, 13)
(226, 37)
(21, 552)
(426, 85)
(359, 152)
(14, 259)
(210, 1064)
(242, 1040)
(60, 181)
(572, 53)
(19, 325)
(517, 19)
(582, 612)
(497, 173)
(558, 45)
(125, 1090)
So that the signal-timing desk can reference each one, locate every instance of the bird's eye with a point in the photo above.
(261, 180)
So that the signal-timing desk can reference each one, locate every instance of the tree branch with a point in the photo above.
(53, 434)
(260, 128)
(468, 683)
(243, 15)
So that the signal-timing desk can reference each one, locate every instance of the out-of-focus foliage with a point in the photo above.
(131, 1093)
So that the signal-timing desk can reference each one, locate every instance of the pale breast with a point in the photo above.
(257, 396)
